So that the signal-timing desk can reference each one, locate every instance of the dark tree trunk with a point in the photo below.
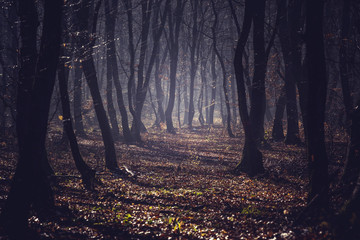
(251, 162)
(213, 89)
(299, 69)
(113, 67)
(109, 25)
(316, 152)
(174, 31)
(158, 87)
(30, 187)
(344, 64)
(278, 131)
(292, 135)
(79, 126)
(222, 64)
(193, 62)
(201, 95)
(85, 45)
(87, 174)
(258, 101)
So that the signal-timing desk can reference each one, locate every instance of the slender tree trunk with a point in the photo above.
(158, 87)
(213, 89)
(87, 174)
(85, 45)
(79, 126)
(292, 135)
(278, 131)
(193, 62)
(112, 61)
(316, 151)
(174, 31)
(222, 64)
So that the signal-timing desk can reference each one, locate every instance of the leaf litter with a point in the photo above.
(183, 190)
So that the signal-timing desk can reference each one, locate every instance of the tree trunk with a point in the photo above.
(292, 135)
(87, 174)
(222, 64)
(251, 162)
(30, 187)
(316, 152)
(258, 101)
(193, 62)
(278, 131)
(174, 31)
(344, 64)
(213, 89)
(79, 126)
(112, 61)
(85, 45)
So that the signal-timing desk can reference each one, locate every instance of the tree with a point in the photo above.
(113, 67)
(194, 49)
(85, 44)
(174, 22)
(222, 64)
(292, 133)
(30, 187)
(251, 162)
(316, 151)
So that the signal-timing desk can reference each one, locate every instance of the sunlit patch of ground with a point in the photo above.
(184, 189)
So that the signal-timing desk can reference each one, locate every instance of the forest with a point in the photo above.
(182, 119)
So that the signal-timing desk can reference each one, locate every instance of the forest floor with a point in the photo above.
(184, 189)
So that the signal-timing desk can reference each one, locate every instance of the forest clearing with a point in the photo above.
(184, 190)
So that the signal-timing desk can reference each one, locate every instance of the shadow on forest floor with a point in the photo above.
(184, 189)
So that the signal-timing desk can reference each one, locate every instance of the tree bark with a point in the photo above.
(85, 44)
(222, 64)
(278, 131)
(174, 31)
(113, 67)
(193, 61)
(292, 135)
(258, 101)
(87, 174)
(30, 187)
(251, 162)
(316, 151)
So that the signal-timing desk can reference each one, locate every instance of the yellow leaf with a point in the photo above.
(61, 117)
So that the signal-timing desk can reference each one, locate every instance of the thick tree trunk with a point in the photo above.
(30, 187)
(251, 162)
(344, 65)
(258, 101)
(316, 151)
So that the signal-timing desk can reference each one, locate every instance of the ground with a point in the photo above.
(184, 189)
